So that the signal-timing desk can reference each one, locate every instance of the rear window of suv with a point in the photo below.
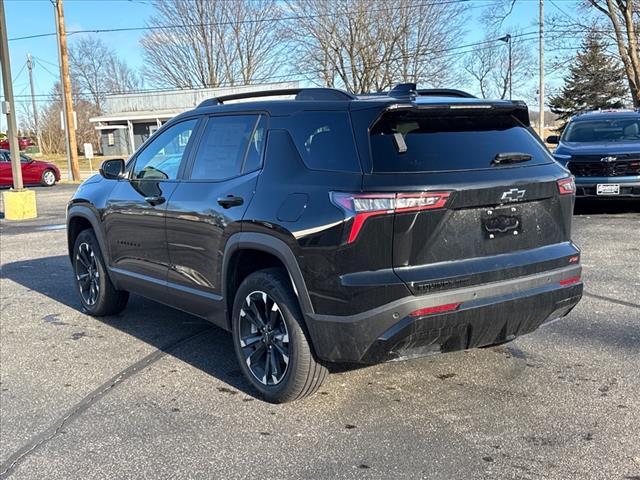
(422, 142)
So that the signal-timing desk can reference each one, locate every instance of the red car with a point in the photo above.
(23, 142)
(34, 172)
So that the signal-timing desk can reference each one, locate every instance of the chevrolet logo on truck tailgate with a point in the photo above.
(513, 195)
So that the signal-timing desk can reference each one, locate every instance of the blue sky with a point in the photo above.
(29, 17)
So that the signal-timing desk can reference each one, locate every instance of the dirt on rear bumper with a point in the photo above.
(495, 313)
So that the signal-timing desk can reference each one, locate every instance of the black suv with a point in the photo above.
(335, 228)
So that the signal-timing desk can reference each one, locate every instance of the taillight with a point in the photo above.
(566, 186)
(449, 307)
(361, 206)
(570, 280)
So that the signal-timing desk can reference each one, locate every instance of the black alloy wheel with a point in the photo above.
(87, 274)
(98, 294)
(271, 340)
(264, 338)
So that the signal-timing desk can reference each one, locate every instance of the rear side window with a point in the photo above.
(230, 145)
(325, 141)
(414, 142)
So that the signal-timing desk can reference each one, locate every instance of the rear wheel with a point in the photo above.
(270, 339)
(98, 295)
(48, 178)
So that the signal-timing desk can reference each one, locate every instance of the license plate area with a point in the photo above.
(608, 189)
(500, 222)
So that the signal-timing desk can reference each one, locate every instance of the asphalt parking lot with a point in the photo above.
(156, 393)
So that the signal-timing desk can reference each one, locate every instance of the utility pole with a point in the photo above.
(69, 125)
(541, 88)
(19, 204)
(33, 101)
(8, 104)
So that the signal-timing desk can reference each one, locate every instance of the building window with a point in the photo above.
(111, 140)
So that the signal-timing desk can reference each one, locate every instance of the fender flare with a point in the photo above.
(85, 212)
(279, 249)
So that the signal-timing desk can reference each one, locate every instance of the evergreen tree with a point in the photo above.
(595, 81)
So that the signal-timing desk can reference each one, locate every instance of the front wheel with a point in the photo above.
(98, 295)
(271, 341)
(48, 178)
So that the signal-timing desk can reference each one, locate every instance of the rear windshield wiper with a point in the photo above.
(510, 157)
(398, 140)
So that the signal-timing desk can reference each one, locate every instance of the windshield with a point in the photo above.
(604, 130)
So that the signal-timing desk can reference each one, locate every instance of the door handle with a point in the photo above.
(230, 201)
(155, 200)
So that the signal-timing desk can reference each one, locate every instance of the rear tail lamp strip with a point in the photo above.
(362, 206)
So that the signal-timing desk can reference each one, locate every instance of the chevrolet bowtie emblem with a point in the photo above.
(512, 195)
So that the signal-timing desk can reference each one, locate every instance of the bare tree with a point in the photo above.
(488, 65)
(88, 58)
(364, 45)
(624, 17)
(120, 77)
(218, 42)
(96, 70)
(51, 126)
(480, 64)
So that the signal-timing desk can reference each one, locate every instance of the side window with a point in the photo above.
(253, 160)
(226, 142)
(160, 160)
(325, 141)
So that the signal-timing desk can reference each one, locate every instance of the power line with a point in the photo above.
(564, 12)
(15, 77)
(54, 75)
(241, 22)
(47, 62)
(490, 43)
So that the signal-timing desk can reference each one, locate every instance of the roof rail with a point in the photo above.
(326, 94)
(410, 90)
(444, 92)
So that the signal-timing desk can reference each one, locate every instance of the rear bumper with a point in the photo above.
(587, 186)
(491, 313)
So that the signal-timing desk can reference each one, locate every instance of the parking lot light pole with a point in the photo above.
(19, 204)
(507, 40)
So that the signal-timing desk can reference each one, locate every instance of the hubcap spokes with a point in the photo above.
(49, 178)
(264, 338)
(87, 274)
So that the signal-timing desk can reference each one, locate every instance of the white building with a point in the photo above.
(131, 118)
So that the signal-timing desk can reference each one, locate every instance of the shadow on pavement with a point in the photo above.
(589, 206)
(163, 327)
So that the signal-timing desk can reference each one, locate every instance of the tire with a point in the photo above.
(98, 295)
(48, 178)
(301, 374)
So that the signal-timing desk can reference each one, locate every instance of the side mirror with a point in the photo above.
(553, 139)
(112, 169)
